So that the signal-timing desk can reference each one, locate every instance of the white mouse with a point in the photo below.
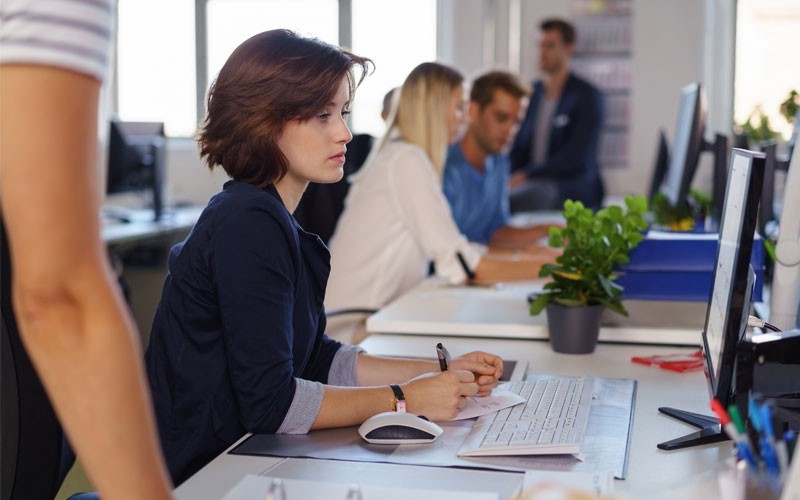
(394, 427)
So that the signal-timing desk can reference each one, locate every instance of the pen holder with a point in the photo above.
(742, 483)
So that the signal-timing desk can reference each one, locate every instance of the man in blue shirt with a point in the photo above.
(476, 174)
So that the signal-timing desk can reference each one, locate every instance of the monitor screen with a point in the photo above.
(136, 158)
(729, 303)
(688, 143)
(661, 165)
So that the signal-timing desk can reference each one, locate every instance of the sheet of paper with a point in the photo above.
(593, 483)
(478, 406)
(256, 487)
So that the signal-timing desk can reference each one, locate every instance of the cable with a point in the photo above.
(760, 323)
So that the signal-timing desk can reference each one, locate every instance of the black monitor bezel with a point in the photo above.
(684, 161)
(720, 383)
(136, 160)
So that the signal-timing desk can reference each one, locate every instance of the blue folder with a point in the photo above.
(680, 268)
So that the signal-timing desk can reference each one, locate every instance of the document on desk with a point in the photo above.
(478, 406)
(605, 445)
(557, 484)
(253, 487)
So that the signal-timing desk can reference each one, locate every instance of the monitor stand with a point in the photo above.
(710, 430)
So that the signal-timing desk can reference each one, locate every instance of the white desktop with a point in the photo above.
(436, 308)
(652, 473)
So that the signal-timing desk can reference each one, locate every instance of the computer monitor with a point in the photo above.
(661, 165)
(687, 145)
(729, 302)
(767, 215)
(720, 149)
(766, 212)
(786, 278)
(136, 160)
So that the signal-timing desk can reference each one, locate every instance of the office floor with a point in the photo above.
(75, 482)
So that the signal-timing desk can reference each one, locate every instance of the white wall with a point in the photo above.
(188, 179)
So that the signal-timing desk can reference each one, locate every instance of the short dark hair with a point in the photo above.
(565, 28)
(483, 87)
(270, 79)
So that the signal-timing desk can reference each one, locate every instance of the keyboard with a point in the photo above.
(551, 421)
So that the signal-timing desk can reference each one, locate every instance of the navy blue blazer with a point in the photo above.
(573, 146)
(241, 315)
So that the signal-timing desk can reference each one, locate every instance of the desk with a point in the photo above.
(652, 473)
(433, 307)
(142, 228)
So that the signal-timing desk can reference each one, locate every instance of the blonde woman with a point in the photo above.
(396, 219)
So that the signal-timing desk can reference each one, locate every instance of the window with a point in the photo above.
(230, 22)
(766, 59)
(156, 63)
(397, 37)
(157, 78)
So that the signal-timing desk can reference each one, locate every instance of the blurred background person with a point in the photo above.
(397, 220)
(476, 174)
(554, 156)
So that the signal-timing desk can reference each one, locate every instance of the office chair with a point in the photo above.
(30, 433)
(322, 204)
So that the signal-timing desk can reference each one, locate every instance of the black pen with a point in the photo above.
(443, 355)
(470, 274)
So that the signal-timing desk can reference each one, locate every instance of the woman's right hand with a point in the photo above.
(439, 396)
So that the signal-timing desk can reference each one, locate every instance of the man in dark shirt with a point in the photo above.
(554, 156)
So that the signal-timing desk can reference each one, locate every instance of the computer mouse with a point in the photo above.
(394, 427)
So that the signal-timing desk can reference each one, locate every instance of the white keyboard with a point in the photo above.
(552, 421)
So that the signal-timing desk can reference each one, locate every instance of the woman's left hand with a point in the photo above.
(488, 368)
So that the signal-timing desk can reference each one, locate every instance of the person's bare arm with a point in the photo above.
(520, 237)
(501, 265)
(437, 395)
(72, 319)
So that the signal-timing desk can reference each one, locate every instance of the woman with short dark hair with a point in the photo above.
(238, 342)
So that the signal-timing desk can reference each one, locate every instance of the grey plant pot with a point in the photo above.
(573, 330)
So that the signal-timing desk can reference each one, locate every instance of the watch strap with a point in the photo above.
(399, 398)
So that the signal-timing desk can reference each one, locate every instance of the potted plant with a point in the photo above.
(582, 279)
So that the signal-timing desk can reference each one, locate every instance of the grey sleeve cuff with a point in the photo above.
(304, 408)
(343, 367)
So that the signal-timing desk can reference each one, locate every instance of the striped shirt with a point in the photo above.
(71, 34)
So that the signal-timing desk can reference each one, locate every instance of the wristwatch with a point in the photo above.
(399, 403)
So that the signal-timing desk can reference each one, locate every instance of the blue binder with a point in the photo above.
(680, 268)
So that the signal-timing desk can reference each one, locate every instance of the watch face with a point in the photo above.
(400, 406)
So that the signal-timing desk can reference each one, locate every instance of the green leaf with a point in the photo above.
(539, 303)
(608, 286)
(569, 302)
(566, 274)
(636, 204)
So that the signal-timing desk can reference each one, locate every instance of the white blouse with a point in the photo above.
(395, 222)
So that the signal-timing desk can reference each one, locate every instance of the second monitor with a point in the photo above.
(675, 169)
(136, 160)
(729, 303)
